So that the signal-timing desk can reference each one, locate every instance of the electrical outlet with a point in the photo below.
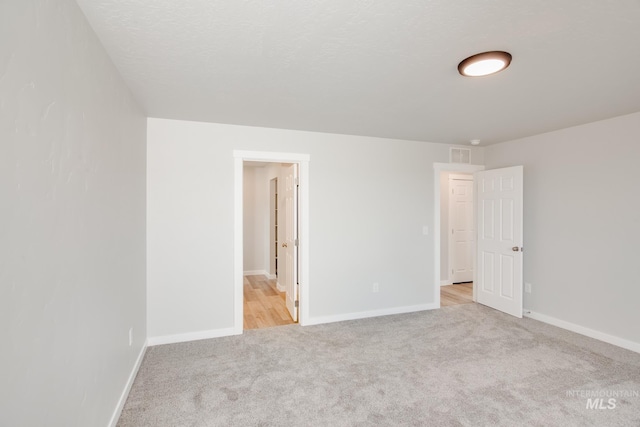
(376, 287)
(527, 287)
(130, 337)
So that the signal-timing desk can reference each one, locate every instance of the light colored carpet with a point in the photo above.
(464, 365)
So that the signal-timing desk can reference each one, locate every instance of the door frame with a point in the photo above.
(437, 169)
(302, 160)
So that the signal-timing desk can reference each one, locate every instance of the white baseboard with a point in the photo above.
(271, 276)
(591, 333)
(446, 283)
(373, 313)
(127, 388)
(280, 287)
(193, 336)
(255, 273)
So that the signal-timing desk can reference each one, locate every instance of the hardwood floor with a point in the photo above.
(456, 294)
(264, 306)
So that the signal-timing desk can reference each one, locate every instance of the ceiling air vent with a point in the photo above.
(460, 155)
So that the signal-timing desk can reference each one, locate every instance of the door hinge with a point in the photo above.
(297, 181)
(296, 304)
(295, 242)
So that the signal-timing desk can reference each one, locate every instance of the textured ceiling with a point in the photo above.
(383, 68)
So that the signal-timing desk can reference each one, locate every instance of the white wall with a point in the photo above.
(256, 218)
(581, 222)
(72, 220)
(444, 227)
(249, 221)
(369, 199)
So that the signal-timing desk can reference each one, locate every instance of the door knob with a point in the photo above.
(515, 249)
(284, 245)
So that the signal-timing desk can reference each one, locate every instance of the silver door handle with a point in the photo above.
(515, 249)
(284, 245)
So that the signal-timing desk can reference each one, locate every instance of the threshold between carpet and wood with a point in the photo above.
(463, 365)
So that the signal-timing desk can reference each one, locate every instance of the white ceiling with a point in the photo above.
(385, 68)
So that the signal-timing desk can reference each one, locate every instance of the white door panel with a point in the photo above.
(500, 240)
(462, 234)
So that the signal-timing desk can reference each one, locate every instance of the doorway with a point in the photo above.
(441, 226)
(255, 259)
(458, 239)
(270, 261)
(498, 279)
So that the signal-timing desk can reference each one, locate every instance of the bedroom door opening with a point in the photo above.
(444, 293)
(498, 207)
(271, 208)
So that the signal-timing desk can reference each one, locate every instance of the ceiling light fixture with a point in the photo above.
(484, 64)
(475, 142)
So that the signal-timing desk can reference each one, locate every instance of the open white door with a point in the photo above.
(289, 246)
(499, 270)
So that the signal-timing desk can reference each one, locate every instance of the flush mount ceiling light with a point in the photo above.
(484, 64)
(475, 142)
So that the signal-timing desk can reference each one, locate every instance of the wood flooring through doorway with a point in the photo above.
(264, 306)
(456, 294)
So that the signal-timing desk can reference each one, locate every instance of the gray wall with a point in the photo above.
(444, 226)
(72, 220)
(257, 209)
(369, 199)
(252, 232)
(582, 222)
(257, 215)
